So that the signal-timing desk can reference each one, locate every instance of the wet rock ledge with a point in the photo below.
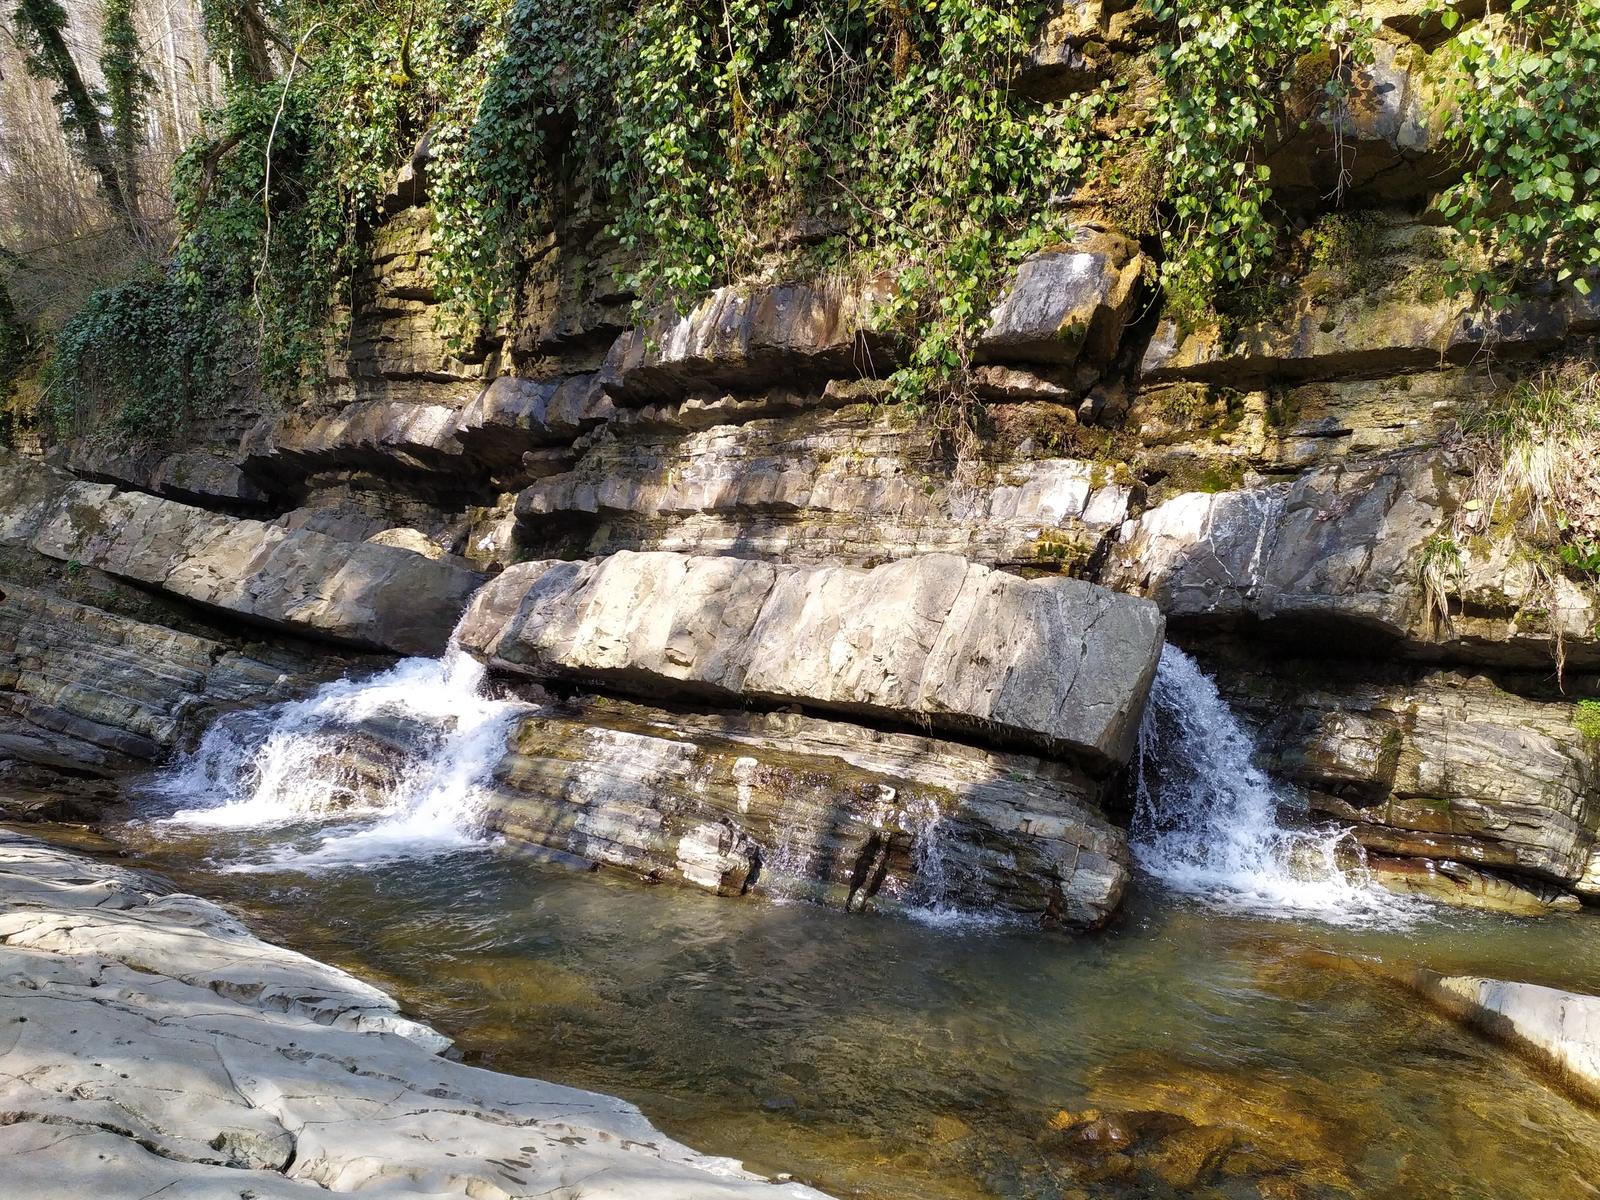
(150, 1045)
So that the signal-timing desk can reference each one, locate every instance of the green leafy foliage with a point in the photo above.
(1227, 70)
(715, 143)
(127, 86)
(1526, 127)
(138, 359)
(1586, 718)
(731, 139)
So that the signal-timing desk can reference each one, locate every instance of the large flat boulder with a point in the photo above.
(1055, 664)
(361, 594)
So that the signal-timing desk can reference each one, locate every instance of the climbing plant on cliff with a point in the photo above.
(272, 203)
(734, 138)
(127, 86)
(1227, 71)
(1526, 126)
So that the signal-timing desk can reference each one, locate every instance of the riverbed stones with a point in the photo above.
(1056, 664)
(149, 1044)
(361, 594)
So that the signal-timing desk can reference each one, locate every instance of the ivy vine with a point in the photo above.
(1525, 125)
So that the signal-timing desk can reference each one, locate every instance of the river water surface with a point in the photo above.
(1238, 1032)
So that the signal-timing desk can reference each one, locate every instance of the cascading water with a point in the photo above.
(383, 768)
(1207, 819)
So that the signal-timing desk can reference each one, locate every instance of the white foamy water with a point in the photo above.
(312, 762)
(1207, 821)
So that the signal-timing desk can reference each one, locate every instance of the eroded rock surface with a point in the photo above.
(1055, 663)
(852, 485)
(363, 594)
(785, 805)
(150, 1045)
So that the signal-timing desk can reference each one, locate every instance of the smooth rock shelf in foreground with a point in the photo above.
(1054, 664)
(150, 1045)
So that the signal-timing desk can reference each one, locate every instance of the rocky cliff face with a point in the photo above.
(695, 513)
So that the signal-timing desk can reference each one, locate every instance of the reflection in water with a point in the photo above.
(1188, 1052)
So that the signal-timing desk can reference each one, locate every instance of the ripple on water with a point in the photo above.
(1186, 1052)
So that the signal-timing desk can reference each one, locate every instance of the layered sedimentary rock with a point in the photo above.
(753, 337)
(786, 805)
(155, 1047)
(847, 485)
(1055, 663)
(108, 688)
(363, 594)
(1441, 775)
(1382, 311)
(1364, 549)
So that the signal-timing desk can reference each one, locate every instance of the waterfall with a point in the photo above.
(388, 767)
(1207, 821)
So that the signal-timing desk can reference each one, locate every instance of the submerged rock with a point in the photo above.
(1056, 664)
(1464, 887)
(154, 1046)
(1558, 1029)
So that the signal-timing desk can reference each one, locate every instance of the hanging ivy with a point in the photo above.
(1525, 125)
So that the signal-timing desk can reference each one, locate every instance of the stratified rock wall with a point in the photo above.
(1300, 490)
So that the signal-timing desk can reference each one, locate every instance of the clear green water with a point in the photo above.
(874, 1057)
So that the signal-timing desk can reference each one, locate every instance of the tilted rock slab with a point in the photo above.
(754, 337)
(1342, 550)
(150, 1045)
(1067, 304)
(95, 677)
(1559, 1029)
(361, 594)
(1056, 664)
